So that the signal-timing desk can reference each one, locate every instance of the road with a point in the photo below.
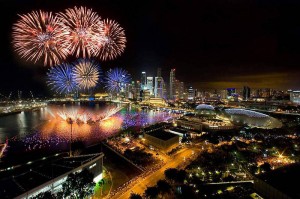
(151, 179)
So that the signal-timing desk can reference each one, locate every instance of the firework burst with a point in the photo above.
(61, 79)
(116, 79)
(83, 28)
(39, 35)
(112, 40)
(86, 73)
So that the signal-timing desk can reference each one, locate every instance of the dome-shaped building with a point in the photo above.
(252, 118)
(205, 109)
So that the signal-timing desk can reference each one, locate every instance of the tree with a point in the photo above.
(163, 186)
(180, 177)
(79, 185)
(186, 192)
(171, 173)
(135, 196)
(151, 192)
(265, 167)
(175, 175)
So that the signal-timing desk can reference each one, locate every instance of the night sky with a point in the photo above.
(212, 44)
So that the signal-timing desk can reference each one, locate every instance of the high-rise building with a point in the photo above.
(177, 85)
(128, 90)
(295, 97)
(266, 92)
(191, 93)
(181, 90)
(223, 94)
(172, 84)
(165, 91)
(158, 72)
(230, 92)
(143, 81)
(246, 93)
(158, 87)
(137, 90)
(150, 85)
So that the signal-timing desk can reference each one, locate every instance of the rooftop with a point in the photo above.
(285, 179)
(21, 182)
(161, 134)
(180, 130)
(205, 106)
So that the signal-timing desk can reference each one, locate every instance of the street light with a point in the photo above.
(70, 121)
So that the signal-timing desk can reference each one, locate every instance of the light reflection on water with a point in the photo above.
(22, 124)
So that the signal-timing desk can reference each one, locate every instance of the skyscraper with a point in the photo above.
(150, 84)
(181, 90)
(158, 72)
(172, 84)
(191, 93)
(230, 92)
(246, 93)
(158, 87)
(143, 80)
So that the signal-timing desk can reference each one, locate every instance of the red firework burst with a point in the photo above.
(112, 41)
(82, 26)
(39, 35)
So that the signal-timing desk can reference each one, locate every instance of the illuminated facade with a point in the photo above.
(158, 88)
(295, 96)
(162, 139)
(143, 81)
(150, 84)
(172, 84)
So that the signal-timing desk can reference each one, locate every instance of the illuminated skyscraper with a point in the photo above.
(150, 84)
(295, 97)
(158, 72)
(143, 81)
(191, 93)
(246, 93)
(181, 90)
(158, 88)
(230, 92)
(172, 84)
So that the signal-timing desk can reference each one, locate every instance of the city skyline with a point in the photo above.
(258, 49)
(149, 99)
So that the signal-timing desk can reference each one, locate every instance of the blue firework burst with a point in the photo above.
(61, 79)
(116, 79)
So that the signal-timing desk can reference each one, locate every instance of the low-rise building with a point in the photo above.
(280, 183)
(49, 176)
(189, 124)
(162, 139)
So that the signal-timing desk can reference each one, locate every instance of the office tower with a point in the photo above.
(158, 72)
(191, 93)
(266, 92)
(246, 93)
(172, 84)
(129, 90)
(165, 91)
(230, 92)
(181, 90)
(150, 85)
(295, 96)
(143, 81)
(158, 87)
(223, 94)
